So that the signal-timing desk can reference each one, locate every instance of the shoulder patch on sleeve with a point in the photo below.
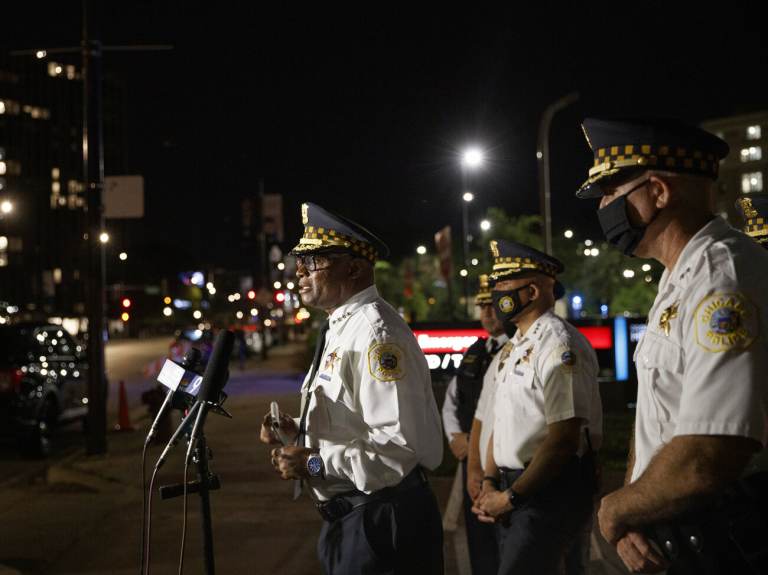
(386, 362)
(725, 321)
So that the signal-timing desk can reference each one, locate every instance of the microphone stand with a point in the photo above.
(205, 483)
(210, 398)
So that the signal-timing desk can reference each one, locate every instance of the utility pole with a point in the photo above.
(93, 172)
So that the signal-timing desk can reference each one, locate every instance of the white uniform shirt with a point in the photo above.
(702, 363)
(450, 419)
(545, 376)
(484, 411)
(372, 412)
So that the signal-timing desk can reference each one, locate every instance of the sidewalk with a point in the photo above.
(82, 515)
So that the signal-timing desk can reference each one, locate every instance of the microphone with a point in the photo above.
(190, 361)
(214, 379)
(217, 370)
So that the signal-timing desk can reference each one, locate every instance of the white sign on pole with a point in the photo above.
(123, 197)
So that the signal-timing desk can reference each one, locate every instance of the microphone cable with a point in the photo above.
(149, 520)
(184, 518)
(143, 507)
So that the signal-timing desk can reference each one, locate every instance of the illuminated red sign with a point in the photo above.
(458, 340)
(600, 336)
(447, 340)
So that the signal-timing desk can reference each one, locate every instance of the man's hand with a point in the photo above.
(612, 525)
(638, 554)
(459, 445)
(492, 504)
(291, 461)
(287, 426)
(474, 481)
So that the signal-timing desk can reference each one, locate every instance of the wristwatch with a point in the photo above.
(315, 466)
(515, 499)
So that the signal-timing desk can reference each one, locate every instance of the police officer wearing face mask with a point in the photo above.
(369, 423)
(702, 392)
(547, 420)
(461, 399)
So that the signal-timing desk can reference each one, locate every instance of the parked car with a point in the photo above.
(43, 383)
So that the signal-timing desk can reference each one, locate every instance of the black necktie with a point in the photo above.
(319, 346)
(494, 346)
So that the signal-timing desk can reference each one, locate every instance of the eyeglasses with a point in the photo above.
(313, 263)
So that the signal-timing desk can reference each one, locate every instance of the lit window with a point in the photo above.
(54, 68)
(752, 182)
(55, 173)
(56, 187)
(70, 72)
(2, 184)
(754, 133)
(2, 107)
(3, 168)
(751, 154)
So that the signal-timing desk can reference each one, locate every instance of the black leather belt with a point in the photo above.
(344, 503)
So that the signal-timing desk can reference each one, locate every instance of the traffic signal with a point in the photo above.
(279, 297)
(126, 303)
(252, 294)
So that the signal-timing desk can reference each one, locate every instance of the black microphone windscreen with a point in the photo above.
(191, 359)
(216, 372)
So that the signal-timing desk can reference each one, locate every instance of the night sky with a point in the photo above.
(364, 112)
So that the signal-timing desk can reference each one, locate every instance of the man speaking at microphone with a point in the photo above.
(369, 423)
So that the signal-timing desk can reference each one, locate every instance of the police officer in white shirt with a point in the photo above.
(701, 365)
(547, 422)
(369, 424)
(461, 400)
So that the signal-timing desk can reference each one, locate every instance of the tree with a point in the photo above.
(597, 272)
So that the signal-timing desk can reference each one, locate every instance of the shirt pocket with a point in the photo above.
(661, 362)
(332, 413)
(525, 393)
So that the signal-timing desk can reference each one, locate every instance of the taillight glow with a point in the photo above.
(10, 380)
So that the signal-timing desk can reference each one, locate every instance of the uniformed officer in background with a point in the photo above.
(547, 423)
(369, 422)
(459, 408)
(701, 364)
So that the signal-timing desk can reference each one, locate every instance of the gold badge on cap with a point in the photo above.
(494, 248)
(747, 207)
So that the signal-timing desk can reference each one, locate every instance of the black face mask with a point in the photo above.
(507, 306)
(617, 228)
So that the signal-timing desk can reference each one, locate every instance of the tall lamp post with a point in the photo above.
(471, 159)
(543, 156)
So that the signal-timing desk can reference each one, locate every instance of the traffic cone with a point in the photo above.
(123, 417)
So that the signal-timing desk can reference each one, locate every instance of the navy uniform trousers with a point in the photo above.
(481, 537)
(401, 534)
(549, 533)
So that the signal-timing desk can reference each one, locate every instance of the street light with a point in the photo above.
(472, 158)
(421, 250)
(568, 234)
(485, 225)
(103, 237)
(123, 256)
(6, 207)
